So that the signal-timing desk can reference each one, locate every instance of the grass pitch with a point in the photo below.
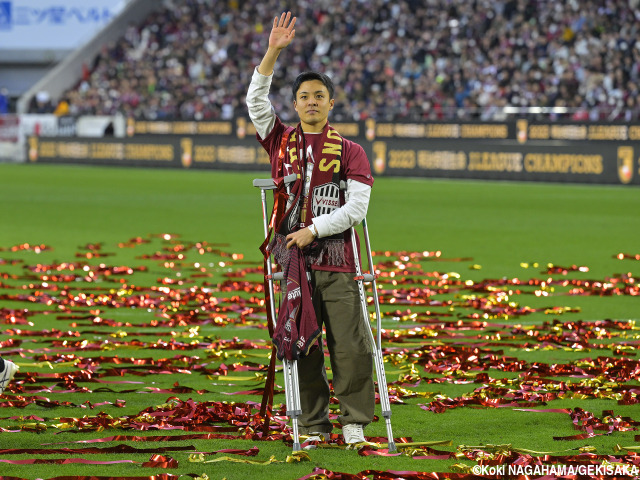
(496, 241)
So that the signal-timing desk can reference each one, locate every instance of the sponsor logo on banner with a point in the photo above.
(325, 199)
(380, 154)
(187, 152)
(522, 127)
(625, 164)
(33, 149)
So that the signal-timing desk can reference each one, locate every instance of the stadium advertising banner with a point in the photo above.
(521, 130)
(53, 24)
(549, 163)
(147, 151)
(9, 128)
(518, 150)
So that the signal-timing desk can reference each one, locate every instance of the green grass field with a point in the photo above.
(522, 331)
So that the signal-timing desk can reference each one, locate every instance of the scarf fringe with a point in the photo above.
(330, 252)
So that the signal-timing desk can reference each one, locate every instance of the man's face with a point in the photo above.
(313, 104)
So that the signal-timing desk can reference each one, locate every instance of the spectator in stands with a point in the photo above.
(409, 59)
(62, 108)
(42, 103)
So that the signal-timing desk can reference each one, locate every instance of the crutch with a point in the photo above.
(290, 367)
(376, 343)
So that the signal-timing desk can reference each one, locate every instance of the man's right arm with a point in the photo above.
(261, 111)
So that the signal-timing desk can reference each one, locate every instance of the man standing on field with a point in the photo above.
(318, 221)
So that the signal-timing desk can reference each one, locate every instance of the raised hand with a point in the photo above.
(282, 32)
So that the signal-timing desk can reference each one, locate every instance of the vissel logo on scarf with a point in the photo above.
(326, 198)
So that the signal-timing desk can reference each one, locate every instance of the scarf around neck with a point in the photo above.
(323, 196)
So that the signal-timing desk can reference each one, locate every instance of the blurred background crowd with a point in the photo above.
(410, 60)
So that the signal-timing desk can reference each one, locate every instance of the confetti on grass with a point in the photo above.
(114, 319)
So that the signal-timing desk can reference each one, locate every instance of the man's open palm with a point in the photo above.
(282, 32)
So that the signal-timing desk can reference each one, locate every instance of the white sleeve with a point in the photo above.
(349, 215)
(261, 111)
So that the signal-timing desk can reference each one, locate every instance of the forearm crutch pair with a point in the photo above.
(290, 367)
(376, 342)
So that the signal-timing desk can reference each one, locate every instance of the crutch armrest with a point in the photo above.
(264, 183)
(290, 179)
(270, 183)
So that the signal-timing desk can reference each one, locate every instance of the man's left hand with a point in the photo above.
(301, 238)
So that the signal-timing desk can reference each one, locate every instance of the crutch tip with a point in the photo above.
(297, 447)
(392, 447)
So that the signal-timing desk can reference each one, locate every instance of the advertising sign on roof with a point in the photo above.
(53, 24)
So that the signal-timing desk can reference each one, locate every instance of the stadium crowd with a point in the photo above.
(391, 60)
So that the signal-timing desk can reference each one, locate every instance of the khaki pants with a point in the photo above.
(337, 305)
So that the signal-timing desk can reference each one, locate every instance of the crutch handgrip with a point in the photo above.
(270, 184)
(276, 276)
(365, 277)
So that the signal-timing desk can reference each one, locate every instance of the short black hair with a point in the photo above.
(306, 76)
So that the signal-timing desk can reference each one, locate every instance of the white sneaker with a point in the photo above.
(311, 440)
(7, 374)
(353, 433)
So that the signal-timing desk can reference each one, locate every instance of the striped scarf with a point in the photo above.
(297, 330)
(322, 196)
